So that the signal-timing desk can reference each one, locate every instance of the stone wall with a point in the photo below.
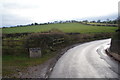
(115, 43)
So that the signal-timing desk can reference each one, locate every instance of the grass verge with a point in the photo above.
(11, 64)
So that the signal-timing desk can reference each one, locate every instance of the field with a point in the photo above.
(101, 24)
(65, 27)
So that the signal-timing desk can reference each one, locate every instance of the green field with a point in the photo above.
(100, 23)
(65, 27)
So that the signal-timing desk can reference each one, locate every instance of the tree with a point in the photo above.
(98, 21)
(36, 23)
(93, 21)
(85, 21)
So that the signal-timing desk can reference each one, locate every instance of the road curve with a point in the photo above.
(87, 60)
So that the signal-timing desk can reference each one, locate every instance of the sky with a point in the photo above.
(20, 12)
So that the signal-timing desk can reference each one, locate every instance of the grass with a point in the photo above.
(65, 27)
(101, 23)
(13, 63)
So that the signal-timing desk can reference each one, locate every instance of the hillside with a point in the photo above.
(65, 27)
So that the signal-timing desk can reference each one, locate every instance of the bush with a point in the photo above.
(47, 41)
(102, 35)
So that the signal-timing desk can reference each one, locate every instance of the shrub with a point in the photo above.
(47, 41)
(102, 35)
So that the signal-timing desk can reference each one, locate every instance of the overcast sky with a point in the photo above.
(16, 12)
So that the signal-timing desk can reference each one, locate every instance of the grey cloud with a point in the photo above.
(18, 6)
(13, 20)
(102, 18)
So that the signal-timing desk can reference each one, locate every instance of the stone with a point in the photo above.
(35, 52)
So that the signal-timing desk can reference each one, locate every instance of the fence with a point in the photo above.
(58, 41)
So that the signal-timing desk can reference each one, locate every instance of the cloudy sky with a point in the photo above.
(17, 12)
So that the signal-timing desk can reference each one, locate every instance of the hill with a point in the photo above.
(65, 27)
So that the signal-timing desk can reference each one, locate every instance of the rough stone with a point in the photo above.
(35, 52)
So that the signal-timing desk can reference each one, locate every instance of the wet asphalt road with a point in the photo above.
(87, 60)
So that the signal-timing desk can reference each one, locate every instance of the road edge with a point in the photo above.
(57, 57)
(115, 56)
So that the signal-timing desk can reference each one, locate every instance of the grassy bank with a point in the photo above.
(13, 64)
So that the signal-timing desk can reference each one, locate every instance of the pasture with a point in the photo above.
(65, 27)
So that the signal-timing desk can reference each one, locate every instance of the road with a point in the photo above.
(87, 60)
